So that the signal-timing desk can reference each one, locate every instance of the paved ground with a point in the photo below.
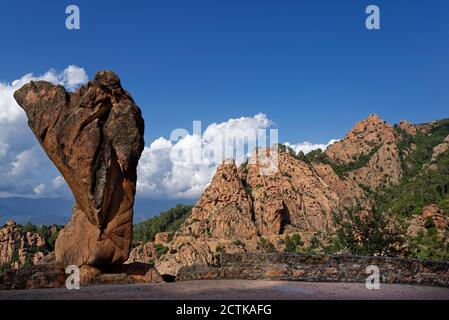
(234, 290)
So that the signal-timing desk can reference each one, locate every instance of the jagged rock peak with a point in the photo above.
(365, 136)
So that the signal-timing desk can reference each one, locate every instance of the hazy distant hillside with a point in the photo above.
(145, 208)
(50, 211)
(37, 211)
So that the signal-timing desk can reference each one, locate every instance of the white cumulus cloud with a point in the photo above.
(174, 168)
(307, 147)
(73, 76)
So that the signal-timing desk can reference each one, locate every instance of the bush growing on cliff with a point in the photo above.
(238, 243)
(424, 143)
(316, 246)
(366, 234)
(414, 193)
(428, 245)
(160, 250)
(168, 221)
(293, 244)
(265, 245)
(319, 156)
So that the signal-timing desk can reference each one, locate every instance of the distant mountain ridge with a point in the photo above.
(49, 211)
(37, 211)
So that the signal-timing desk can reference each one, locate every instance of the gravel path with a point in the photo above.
(234, 290)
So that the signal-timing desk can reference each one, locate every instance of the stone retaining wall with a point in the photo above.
(326, 268)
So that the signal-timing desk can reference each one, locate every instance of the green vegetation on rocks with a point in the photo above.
(422, 184)
(168, 221)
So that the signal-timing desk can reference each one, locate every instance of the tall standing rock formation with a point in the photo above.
(95, 138)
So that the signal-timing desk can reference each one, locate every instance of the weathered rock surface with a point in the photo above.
(348, 191)
(432, 216)
(440, 149)
(45, 276)
(144, 253)
(19, 247)
(95, 138)
(135, 272)
(245, 211)
(375, 138)
(162, 237)
(383, 169)
(224, 209)
(361, 140)
(294, 199)
(409, 128)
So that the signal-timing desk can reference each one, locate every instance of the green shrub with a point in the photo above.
(238, 243)
(293, 243)
(427, 245)
(369, 235)
(161, 250)
(266, 246)
(415, 192)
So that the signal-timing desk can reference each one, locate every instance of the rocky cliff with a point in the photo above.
(25, 245)
(244, 210)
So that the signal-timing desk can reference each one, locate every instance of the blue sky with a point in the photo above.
(311, 66)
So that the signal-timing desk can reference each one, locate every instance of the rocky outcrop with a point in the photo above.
(361, 140)
(19, 247)
(162, 237)
(294, 199)
(241, 203)
(409, 128)
(144, 253)
(432, 216)
(440, 149)
(128, 273)
(376, 140)
(383, 169)
(348, 191)
(224, 210)
(47, 276)
(95, 138)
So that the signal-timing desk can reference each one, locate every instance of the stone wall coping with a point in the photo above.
(336, 256)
